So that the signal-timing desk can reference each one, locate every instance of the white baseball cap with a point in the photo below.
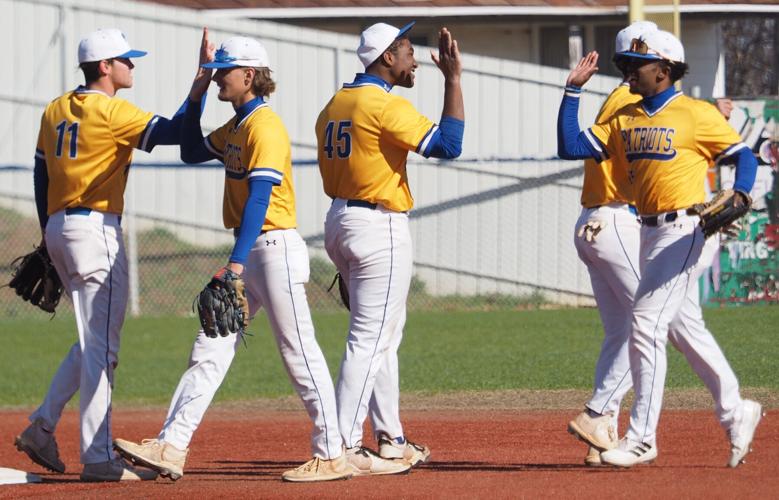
(240, 51)
(377, 38)
(656, 45)
(105, 44)
(635, 30)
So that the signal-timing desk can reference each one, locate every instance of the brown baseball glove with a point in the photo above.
(36, 280)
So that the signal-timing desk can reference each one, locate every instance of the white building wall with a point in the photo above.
(498, 220)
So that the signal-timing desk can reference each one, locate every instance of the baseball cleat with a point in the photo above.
(41, 446)
(366, 462)
(115, 470)
(159, 456)
(401, 448)
(319, 469)
(595, 431)
(593, 457)
(629, 453)
(743, 431)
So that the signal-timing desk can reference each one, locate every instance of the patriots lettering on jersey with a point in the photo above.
(232, 160)
(650, 143)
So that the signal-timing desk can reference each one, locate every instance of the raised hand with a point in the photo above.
(203, 75)
(448, 59)
(584, 70)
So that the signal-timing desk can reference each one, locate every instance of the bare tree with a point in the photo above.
(751, 55)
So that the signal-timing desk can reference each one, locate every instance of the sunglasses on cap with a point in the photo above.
(638, 46)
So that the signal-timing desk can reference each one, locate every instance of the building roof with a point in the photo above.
(722, 5)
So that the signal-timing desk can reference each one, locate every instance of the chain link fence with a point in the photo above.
(171, 271)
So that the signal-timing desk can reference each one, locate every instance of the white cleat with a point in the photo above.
(743, 431)
(629, 453)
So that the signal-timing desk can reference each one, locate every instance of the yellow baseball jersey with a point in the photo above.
(668, 151)
(607, 181)
(87, 140)
(364, 135)
(255, 146)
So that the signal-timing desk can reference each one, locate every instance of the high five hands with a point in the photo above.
(584, 70)
(203, 75)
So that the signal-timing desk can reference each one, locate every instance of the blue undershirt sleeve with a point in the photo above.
(193, 148)
(447, 139)
(41, 183)
(163, 131)
(572, 144)
(252, 219)
(746, 170)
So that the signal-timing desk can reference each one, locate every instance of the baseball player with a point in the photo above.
(607, 238)
(259, 205)
(82, 160)
(364, 134)
(667, 140)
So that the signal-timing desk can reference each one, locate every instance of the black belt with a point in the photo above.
(361, 203)
(85, 211)
(654, 220)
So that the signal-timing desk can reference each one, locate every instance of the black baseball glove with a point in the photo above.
(342, 289)
(35, 279)
(222, 305)
(724, 209)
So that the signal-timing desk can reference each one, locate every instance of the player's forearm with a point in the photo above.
(252, 219)
(746, 170)
(193, 150)
(571, 143)
(41, 183)
(453, 99)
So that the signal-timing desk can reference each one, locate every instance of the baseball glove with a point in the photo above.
(222, 305)
(342, 289)
(725, 208)
(35, 279)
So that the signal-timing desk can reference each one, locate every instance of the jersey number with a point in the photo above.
(342, 139)
(73, 129)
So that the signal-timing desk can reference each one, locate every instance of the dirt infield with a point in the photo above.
(475, 453)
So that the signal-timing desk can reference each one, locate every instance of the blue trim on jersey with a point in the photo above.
(363, 79)
(631, 157)
(245, 109)
(269, 174)
(656, 103)
(447, 140)
(572, 143)
(40, 177)
(252, 219)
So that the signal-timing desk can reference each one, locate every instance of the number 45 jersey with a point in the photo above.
(364, 135)
(87, 140)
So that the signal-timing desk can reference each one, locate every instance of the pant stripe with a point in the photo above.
(381, 329)
(300, 341)
(635, 273)
(109, 445)
(654, 332)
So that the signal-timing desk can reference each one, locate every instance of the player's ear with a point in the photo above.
(388, 58)
(104, 66)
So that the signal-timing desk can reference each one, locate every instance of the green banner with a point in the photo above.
(746, 270)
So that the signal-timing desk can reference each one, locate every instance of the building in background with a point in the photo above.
(545, 32)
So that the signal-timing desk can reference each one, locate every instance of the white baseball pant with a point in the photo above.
(372, 250)
(612, 261)
(673, 256)
(275, 274)
(88, 252)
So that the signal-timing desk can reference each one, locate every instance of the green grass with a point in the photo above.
(441, 352)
